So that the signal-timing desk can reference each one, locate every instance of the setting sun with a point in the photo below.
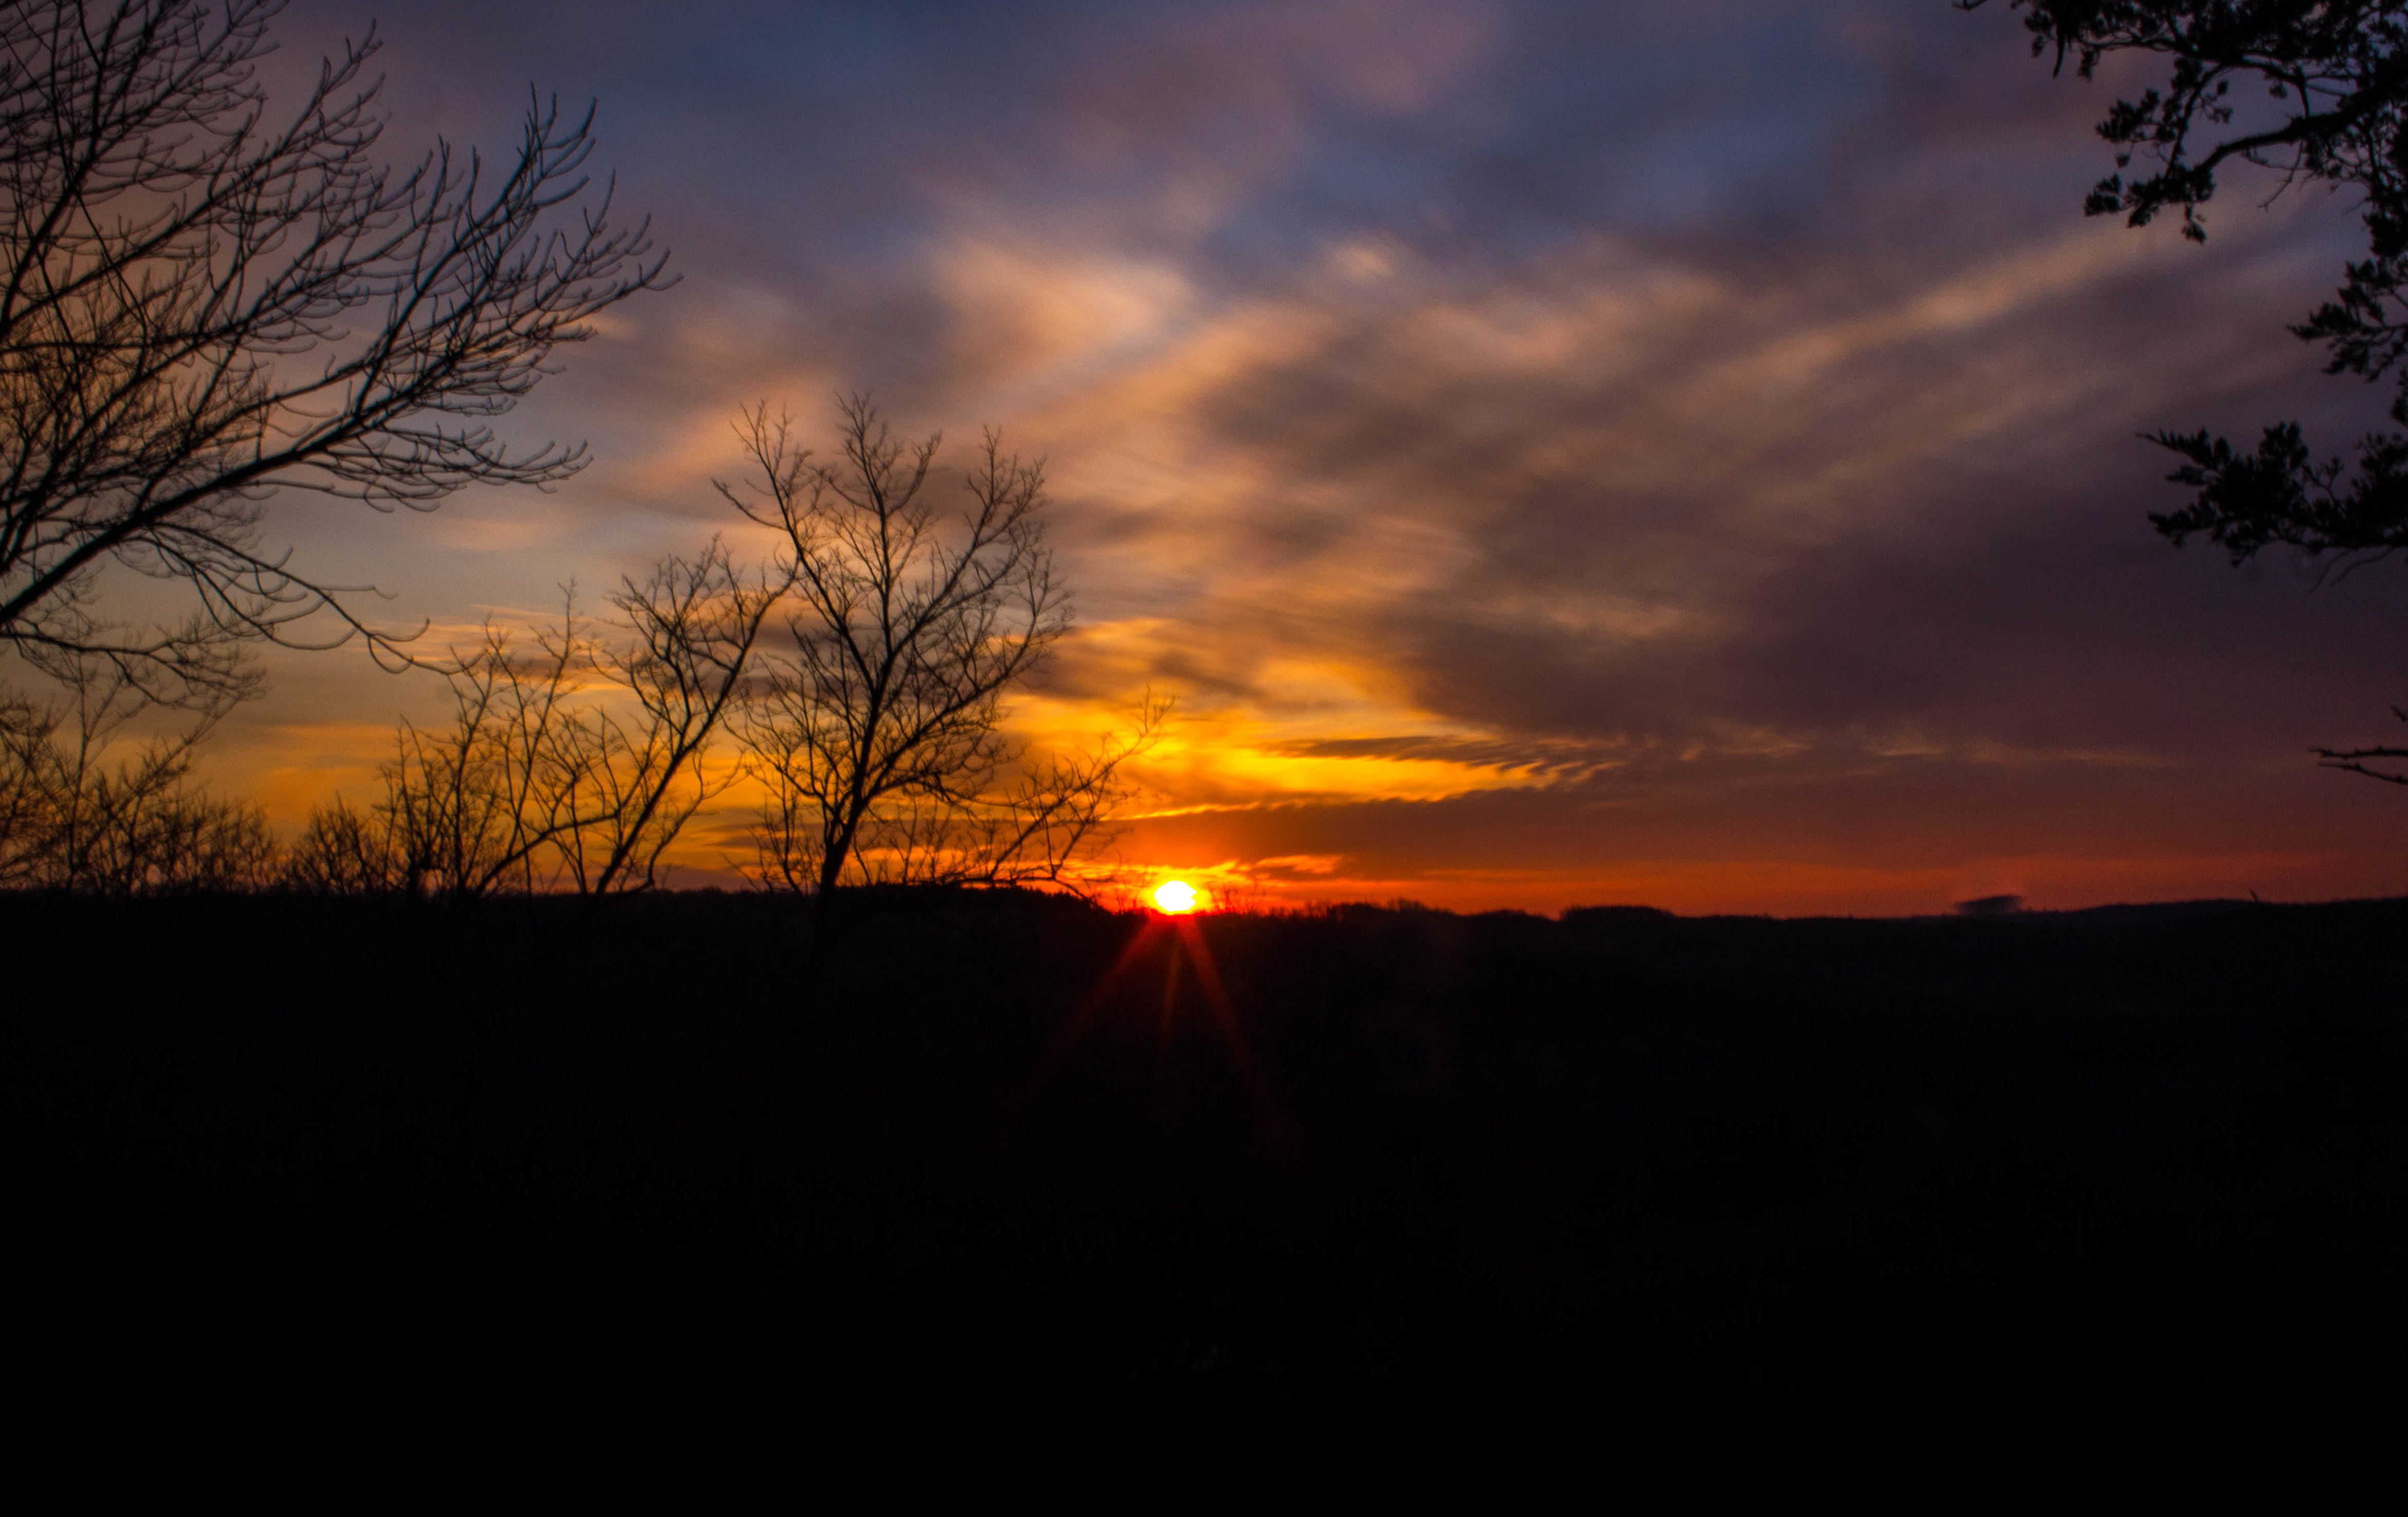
(1175, 898)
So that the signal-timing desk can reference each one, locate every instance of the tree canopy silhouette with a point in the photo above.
(2333, 79)
(202, 302)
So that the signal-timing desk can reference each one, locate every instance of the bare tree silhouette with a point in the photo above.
(482, 803)
(2354, 759)
(74, 816)
(696, 625)
(201, 304)
(545, 781)
(880, 737)
(343, 851)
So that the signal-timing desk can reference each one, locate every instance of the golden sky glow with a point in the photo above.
(1552, 453)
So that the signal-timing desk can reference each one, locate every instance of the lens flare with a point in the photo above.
(1174, 897)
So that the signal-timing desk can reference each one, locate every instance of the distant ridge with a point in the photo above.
(2162, 910)
(1574, 915)
(1991, 908)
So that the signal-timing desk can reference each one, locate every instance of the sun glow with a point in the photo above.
(1175, 898)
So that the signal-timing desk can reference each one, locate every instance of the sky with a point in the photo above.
(1679, 454)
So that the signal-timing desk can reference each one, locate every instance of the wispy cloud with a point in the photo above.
(1552, 451)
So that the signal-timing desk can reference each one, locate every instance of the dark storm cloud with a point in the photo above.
(1889, 480)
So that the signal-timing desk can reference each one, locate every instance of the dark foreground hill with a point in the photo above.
(1013, 1140)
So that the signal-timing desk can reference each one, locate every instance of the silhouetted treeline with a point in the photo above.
(1011, 1139)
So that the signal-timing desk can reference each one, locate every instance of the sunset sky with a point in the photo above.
(1679, 454)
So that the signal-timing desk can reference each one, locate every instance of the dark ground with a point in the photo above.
(2102, 1155)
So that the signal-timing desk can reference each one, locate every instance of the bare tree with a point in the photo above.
(879, 738)
(200, 304)
(343, 851)
(27, 796)
(2355, 760)
(543, 780)
(477, 805)
(73, 815)
(696, 625)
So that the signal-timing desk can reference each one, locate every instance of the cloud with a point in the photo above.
(1553, 452)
